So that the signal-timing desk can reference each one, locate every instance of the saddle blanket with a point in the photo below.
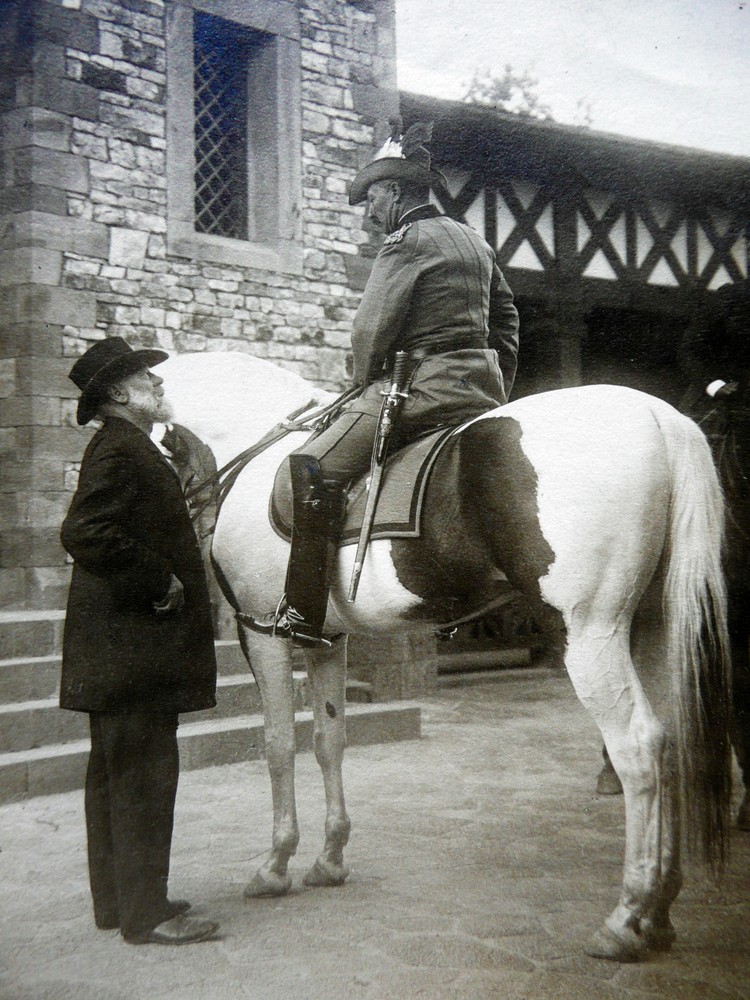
(399, 510)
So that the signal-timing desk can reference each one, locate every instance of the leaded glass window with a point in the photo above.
(223, 52)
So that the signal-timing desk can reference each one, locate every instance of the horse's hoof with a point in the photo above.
(625, 947)
(324, 874)
(608, 783)
(659, 938)
(743, 816)
(267, 884)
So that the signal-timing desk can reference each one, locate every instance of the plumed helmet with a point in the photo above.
(402, 157)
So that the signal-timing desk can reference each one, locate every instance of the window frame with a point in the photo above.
(279, 248)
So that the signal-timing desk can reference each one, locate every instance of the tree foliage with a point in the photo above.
(517, 93)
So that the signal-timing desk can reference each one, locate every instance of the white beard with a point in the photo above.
(157, 411)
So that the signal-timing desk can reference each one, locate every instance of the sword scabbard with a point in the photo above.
(388, 418)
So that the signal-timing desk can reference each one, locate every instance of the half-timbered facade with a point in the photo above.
(611, 245)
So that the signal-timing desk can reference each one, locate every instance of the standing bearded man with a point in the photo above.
(138, 647)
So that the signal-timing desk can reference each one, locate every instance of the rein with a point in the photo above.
(220, 487)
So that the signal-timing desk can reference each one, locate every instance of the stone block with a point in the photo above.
(63, 26)
(400, 667)
(35, 126)
(53, 442)
(315, 121)
(56, 305)
(9, 510)
(104, 79)
(42, 229)
(47, 587)
(47, 509)
(68, 97)
(56, 169)
(48, 58)
(30, 265)
(44, 377)
(21, 473)
(7, 377)
(127, 247)
(31, 547)
(19, 411)
(25, 339)
(12, 587)
(34, 198)
(34, 633)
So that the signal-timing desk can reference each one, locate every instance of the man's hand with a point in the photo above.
(174, 600)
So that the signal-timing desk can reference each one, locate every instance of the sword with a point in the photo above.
(394, 397)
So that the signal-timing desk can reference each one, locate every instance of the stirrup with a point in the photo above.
(286, 624)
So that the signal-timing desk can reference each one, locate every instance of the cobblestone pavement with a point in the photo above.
(481, 861)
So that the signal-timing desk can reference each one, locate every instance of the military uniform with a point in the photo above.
(436, 291)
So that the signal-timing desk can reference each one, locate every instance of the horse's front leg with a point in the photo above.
(326, 670)
(271, 663)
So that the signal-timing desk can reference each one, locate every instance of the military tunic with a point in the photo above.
(436, 291)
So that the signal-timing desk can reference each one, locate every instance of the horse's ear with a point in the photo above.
(171, 440)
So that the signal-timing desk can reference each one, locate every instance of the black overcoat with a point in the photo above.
(128, 530)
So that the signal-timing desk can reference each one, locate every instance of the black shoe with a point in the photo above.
(288, 625)
(178, 930)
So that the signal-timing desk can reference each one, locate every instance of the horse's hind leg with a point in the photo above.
(601, 669)
(270, 660)
(326, 670)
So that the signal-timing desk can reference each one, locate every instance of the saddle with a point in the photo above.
(401, 500)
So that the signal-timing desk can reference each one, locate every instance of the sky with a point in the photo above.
(674, 71)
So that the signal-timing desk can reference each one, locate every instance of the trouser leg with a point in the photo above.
(142, 763)
(99, 832)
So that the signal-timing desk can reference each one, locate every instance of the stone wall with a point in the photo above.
(84, 222)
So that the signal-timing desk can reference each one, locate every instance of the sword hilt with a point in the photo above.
(400, 371)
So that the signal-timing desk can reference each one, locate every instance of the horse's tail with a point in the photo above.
(697, 641)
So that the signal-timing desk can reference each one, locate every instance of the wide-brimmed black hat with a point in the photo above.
(400, 158)
(104, 363)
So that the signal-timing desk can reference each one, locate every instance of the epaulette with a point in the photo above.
(397, 236)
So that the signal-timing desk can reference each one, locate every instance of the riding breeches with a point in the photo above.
(444, 390)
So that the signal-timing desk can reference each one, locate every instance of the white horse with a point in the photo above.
(602, 505)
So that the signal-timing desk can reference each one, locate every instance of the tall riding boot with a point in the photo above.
(318, 511)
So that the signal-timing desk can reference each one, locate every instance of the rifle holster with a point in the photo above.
(318, 512)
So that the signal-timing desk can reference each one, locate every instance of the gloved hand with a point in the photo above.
(174, 599)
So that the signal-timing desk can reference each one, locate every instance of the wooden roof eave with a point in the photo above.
(558, 156)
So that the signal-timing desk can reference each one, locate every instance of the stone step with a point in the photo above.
(26, 634)
(27, 725)
(27, 678)
(203, 743)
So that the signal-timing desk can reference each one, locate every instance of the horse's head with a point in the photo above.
(196, 467)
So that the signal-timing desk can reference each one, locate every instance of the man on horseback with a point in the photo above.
(436, 292)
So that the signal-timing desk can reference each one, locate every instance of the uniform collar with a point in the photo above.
(425, 211)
